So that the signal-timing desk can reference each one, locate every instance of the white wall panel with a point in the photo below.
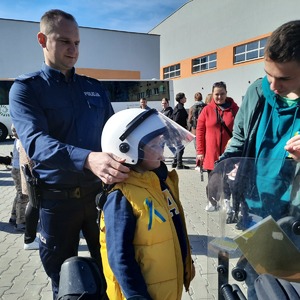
(100, 49)
(203, 26)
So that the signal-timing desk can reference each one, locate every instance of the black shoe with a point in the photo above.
(179, 167)
(174, 165)
(232, 217)
(243, 223)
(12, 221)
(20, 227)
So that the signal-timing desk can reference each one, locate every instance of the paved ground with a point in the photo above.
(22, 275)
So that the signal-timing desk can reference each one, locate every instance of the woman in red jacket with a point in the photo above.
(214, 127)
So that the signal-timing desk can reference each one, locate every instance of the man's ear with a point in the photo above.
(42, 39)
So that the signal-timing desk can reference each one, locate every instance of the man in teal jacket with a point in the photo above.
(267, 124)
(280, 88)
(266, 128)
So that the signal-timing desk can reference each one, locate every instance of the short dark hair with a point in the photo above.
(179, 96)
(166, 99)
(219, 84)
(284, 43)
(50, 19)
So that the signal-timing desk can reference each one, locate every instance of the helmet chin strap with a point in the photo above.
(129, 165)
(137, 168)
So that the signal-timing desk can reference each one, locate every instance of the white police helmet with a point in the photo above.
(127, 132)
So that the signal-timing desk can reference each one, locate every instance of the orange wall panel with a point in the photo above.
(109, 74)
(185, 68)
(224, 60)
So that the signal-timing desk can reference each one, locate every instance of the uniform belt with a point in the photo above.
(70, 193)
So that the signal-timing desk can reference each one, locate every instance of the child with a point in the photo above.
(144, 243)
(17, 217)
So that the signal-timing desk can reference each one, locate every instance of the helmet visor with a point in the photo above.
(162, 137)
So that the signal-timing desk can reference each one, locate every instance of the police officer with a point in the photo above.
(59, 116)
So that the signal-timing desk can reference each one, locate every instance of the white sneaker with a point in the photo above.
(209, 207)
(33, 245)
(227, 206)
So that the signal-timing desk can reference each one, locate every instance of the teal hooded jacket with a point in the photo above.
(261, 129)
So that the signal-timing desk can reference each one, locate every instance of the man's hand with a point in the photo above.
(293, 147)
(107, 166)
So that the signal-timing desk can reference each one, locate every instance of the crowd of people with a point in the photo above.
(71, 165)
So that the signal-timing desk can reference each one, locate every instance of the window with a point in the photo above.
(204, 63)
(250, 51)
(172, 71)
(148, 93)
(5, 86)
(130, 91)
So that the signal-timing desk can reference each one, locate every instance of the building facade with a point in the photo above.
(201, 43)
(208, 41)
(104, 54)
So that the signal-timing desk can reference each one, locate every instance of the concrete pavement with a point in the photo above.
(22, 276)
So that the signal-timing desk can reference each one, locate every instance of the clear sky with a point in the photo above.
(127, 15)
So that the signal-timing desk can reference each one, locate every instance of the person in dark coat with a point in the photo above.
(180, 116)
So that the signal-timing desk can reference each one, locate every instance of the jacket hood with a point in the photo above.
(278, 123)
(199, 102)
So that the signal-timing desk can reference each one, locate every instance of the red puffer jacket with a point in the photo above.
(211, 136)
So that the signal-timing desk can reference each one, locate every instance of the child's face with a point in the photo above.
(153, 154)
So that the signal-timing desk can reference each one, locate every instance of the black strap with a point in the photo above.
(101, 199)
(136, 122)
(219, 118)
(102, 196)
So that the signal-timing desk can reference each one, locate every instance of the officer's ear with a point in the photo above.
(42, 39)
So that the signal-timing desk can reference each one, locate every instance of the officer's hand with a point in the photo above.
(107, 166)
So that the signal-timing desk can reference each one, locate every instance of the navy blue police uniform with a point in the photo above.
(59, 123)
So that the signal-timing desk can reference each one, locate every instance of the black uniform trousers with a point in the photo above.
(63, 215)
